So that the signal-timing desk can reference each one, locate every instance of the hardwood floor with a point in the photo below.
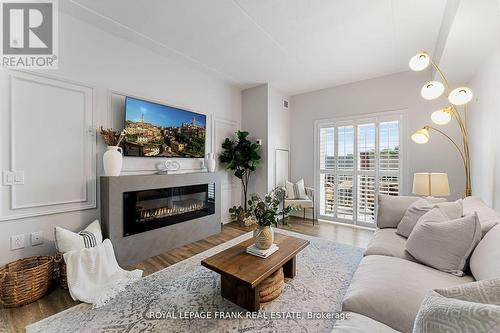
(57, 300)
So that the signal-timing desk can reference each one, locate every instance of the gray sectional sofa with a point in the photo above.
(389, 285)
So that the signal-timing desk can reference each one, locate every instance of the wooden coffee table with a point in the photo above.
(241, 273)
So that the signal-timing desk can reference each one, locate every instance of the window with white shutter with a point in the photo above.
(366, 199)
(356, 159)
(327, 166)
(366, 172)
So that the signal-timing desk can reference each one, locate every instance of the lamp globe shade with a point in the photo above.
(460, 96)
(441, 117)
(421, 136)
(432, 90)
(419, 62)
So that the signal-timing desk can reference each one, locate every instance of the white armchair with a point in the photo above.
(302, 203)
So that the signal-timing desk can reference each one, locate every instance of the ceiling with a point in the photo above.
(473, 35)
(295, 45)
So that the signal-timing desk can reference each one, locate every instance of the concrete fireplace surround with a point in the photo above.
(135, 248)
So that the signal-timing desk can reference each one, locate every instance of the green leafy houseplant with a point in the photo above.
(267, 210)
(237, 213)
(241, 156)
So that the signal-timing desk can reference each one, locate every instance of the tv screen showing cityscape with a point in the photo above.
(156, 130)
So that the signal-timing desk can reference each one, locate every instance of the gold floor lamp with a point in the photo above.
(458, 97)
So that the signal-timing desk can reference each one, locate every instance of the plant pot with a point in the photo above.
(241, 219)
(263, 237)
(210, 161)
(112, 161)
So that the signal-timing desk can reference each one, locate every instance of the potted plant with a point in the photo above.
(241, 156)
(266, 212)
(112, 159)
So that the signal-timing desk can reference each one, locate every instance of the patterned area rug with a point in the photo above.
(324, 271)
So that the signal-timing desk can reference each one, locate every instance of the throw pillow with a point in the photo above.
(484, 291)
(392, 208)
(296, 191)
(412, 214)
(67, 240)
(444, 244)
(485, 258)
(471, 307)
(290, 192)
(488, 217)
(301, 190)
(453, 210)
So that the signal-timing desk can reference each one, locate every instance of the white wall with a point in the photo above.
(394, 92)
(264, 117)
(484, 129)
(254, 120)
(98, 59)
(278, 131)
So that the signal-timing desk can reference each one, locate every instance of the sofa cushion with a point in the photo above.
(387, 242)
(485, 258)
(487, 216)
(442, 243)
(471, 307)
(357, 323)
(390, 290)
(453, 210)
(391, 208)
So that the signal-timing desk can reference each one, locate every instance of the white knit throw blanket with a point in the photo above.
(94, 275)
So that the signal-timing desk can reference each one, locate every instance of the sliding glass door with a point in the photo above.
(355, 160)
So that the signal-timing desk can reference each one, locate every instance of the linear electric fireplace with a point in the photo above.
(151, 209)
(173, 210)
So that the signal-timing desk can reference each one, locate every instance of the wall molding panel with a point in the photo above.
(57, 118)
(230, 185)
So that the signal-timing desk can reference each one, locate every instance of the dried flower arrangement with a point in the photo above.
(111, 137)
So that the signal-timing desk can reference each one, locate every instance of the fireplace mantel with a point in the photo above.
(134, 248)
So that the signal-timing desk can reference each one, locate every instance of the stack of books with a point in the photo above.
(255, 251)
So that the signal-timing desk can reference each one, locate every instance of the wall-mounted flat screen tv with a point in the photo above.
(156, 130)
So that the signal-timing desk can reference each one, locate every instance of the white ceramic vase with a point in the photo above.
(112, 161)
(210, 160)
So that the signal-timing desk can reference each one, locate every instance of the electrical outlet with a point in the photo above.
(36, 238)
(19, 178)
(16, 242)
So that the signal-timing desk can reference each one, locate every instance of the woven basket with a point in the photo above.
(25, 280)
(63, 277)
(272, 287)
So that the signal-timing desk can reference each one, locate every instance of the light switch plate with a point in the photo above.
(17, 242)
(7, 177)
(36, 238)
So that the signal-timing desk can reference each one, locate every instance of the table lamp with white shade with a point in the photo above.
(431, 184)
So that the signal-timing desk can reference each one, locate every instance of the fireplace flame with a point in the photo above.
(155, 213)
